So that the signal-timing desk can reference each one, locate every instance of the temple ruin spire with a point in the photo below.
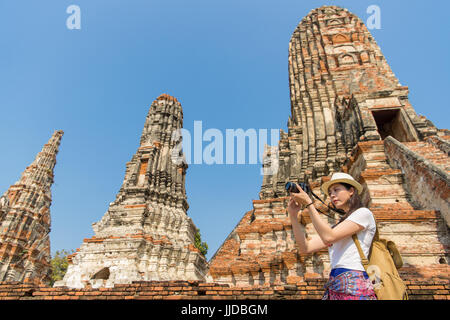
(25, 219)
(146, 233)
(348, 113)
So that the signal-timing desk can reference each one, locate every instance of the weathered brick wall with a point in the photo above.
(427, 183)
(418, 289)
(442, 144)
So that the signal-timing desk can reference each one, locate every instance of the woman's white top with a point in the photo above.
(344, 253)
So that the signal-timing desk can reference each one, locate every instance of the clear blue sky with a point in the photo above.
(225, 61)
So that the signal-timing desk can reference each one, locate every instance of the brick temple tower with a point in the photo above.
(146, 234)
(348, 113)
(25, 220)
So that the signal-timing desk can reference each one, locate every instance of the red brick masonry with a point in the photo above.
(419, 289)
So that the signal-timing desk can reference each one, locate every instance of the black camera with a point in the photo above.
(291, 187)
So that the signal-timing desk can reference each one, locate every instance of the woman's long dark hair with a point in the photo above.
(354, 202)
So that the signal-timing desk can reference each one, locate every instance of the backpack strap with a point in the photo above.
(364, 260)
(376, 237)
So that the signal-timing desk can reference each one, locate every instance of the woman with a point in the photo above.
(348, 279)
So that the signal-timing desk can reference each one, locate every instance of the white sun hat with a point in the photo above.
(341, 177)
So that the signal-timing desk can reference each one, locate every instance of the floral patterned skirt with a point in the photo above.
(349, 285)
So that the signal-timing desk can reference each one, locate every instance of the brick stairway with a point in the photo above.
(383, 184)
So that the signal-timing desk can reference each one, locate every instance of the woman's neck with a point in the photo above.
(345, 208)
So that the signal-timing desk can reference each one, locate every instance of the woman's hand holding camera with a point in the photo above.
(297, 200)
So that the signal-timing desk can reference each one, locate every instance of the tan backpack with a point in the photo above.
(384, 260)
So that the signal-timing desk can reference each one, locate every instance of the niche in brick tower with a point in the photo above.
(391, 122)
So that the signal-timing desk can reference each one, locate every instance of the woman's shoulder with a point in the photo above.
(363, 210)
(362, 213)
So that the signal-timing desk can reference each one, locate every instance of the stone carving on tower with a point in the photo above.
(25, 220)
(146, 233)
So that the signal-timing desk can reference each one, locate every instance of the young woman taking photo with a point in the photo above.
(348, 279)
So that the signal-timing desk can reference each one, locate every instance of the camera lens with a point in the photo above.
(305, 187)
(291, 187)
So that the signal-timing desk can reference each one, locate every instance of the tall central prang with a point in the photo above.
(348, 113)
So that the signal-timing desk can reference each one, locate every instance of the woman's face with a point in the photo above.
(339, 195)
